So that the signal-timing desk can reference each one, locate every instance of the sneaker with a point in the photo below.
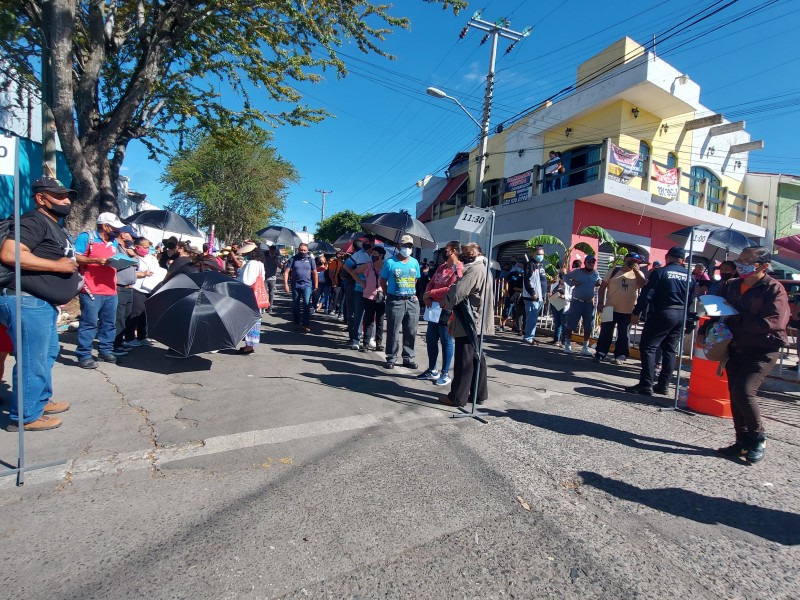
(379, 348)
(410, 364)
(133, 344)
(501, 329)
(119, 352)
(639, 389)
(660, 389)
(388, 365)
(586, 352)
(109, 358)
(145, 342)
(355, 346)
(443, 380)
(372, 345)
(88, 363)
(620, 360)
(598, 358)
(567, 348)
(756, 448)
(738, 448)
(429, 375)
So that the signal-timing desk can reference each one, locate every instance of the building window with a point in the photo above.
(493, 192)
(672, 160)
(712, 191)
(644, 156)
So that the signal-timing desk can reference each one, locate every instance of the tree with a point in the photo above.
(338, 224)
(230, 178)
(145, 69)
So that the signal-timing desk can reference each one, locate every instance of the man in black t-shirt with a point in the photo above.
(48, 278)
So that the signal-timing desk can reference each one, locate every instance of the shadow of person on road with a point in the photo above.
(570, 426)
(774, 525)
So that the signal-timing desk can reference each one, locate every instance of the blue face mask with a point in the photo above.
(745, 270)
(405, 252)
(538, 258)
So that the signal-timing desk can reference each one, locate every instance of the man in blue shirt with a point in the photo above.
(582, 306)
(399, 280)
(303, 271)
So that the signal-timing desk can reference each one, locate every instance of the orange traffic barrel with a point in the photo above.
(708, 392)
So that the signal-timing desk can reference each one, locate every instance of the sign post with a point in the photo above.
(473, 220)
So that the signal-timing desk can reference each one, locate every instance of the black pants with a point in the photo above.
(136, 324)
(661, 330)
(270, 285)
(746, 370)
(124, 307)
(373, 321)
(622, 322)
(463, 371)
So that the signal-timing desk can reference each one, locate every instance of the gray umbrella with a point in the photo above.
(321, 247)
(280, 236)
(726, 239)
(346, 238)
(392, 226)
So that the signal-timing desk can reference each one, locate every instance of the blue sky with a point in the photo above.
(387, 133)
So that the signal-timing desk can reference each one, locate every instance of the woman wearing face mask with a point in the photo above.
(759, 333)
(534, 292)
(727, 271)
(445, 276)
(374, 300)
(559, 289)
(148, 275)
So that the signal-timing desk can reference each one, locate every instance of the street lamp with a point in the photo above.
(322, 211)
(437, 93)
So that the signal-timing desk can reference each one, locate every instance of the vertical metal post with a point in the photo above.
(18, 322)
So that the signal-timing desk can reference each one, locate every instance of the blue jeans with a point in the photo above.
(301, 295)
(39, 343)
(558, 324)
(531, 318)
(358, 315)
(433, 336)
(98, 320)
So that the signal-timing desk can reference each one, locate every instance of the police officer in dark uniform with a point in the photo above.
(666, 294)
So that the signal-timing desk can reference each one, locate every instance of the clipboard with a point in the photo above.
(120, 262)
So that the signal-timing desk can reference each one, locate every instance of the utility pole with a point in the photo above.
(499, 29)
(322, 208)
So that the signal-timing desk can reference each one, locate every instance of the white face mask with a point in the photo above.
(405, 252)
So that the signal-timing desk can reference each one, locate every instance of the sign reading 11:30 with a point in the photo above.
(472, 219)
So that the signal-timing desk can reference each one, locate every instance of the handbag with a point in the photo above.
(433, 313)
(260, 291)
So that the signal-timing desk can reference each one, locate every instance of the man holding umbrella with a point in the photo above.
(399, 280)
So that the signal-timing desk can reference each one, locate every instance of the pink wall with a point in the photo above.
(587, 214)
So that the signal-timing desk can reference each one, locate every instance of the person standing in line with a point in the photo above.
(468, 294)
(759, 333)
(148, 275)
(619, 291)
(399, 280)
(727, 271)
(125, 279)
(666, 293)
(374, 301)
(322, 297)
(303, 272)
(356, 297)
(337, 293)
(437, 333)
(273, 263)
(562, 291)
(98, 298)
(48, 279)
(233, 260)
(513, 294)
(249, 274)
(584, 283)
(534, 294)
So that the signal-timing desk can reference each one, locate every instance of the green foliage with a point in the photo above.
(338, 224)
(232, 179)
(598, 233)
(584, 247)
(545, 240)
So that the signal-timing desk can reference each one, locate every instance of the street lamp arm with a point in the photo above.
(437, 93)
(312, 204)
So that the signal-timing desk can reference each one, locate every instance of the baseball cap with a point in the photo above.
(406, 239)
(656, 263)
(677, 252)
(590, 258)
(51, 184)
(108, 218)
(637, 257)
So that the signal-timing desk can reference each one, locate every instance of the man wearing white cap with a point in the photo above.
(98, 297)
(399, 280)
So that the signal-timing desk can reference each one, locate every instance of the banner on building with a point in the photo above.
(518, 188)
(623, 165)
(666, 182)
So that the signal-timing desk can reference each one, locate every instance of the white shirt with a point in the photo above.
(251, 271)
(147, 284)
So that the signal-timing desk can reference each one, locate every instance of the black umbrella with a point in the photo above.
(323, 247)
(280, 236)
(346, 238)
(719, 238)
(165, 220)
(392, 226)
(200, 312)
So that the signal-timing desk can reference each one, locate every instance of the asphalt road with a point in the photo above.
(308, 471)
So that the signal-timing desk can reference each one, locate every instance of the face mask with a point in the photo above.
(725, 276)
(538, 258)
(375, 258)
(113, 234)
(304, 255)
(745, 270)
(59, 210)
(405, 252)
(629, 264)
(142, 251)
(367, 246)
(466, 259)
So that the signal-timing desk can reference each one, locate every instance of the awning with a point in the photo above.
(451, 188)
(790, 243)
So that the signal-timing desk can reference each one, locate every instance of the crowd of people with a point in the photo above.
(382, 293)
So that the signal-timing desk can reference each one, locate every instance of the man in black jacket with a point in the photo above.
(666, 293)
(48, 278)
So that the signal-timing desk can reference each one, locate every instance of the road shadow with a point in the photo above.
(570, 426)
(153, 360)
(774, 525)
(610, 391)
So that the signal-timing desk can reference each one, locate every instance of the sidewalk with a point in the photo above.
(307, 470)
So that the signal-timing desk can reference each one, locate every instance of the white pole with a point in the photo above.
(18, 321)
